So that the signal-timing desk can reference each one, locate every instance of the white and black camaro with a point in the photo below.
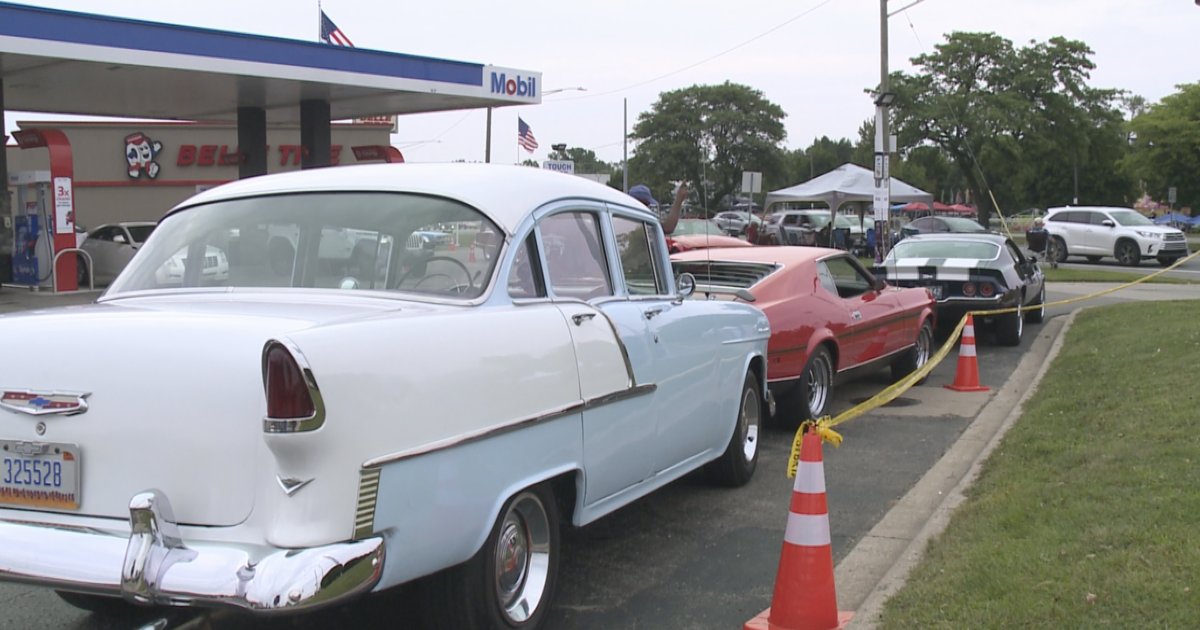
(971, 272)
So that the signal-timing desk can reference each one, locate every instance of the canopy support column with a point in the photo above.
(252, 141)
(315, 134)
(6, 221)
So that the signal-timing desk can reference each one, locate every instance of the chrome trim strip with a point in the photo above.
(291, 485)
(747, 339)
(364, 511)
(720, 290)
(295, 425)
(482, 434)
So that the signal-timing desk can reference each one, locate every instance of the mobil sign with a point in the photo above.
(507, 82)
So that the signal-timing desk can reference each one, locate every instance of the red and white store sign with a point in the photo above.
(224, 155)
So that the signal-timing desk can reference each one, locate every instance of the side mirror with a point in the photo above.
(879, 284)
(1108, 223)
(685, 284)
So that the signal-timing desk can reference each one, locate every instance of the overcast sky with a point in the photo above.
(814, 66)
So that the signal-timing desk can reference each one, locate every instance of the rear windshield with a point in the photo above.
(944, 249)
(382, 241)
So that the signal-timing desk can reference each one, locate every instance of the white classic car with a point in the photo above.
(285, 441)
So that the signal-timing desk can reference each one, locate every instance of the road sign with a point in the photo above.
(1171, 195)
(751, 182)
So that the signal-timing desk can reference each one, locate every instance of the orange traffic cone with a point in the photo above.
(452, 240)
(804, 594)
(472, 257)
(967, 378)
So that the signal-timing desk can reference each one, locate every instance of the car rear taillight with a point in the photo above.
(987, 290)
(287, 391)
(968, 289)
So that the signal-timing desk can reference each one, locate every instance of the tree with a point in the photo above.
(1022, 122)
(1166, 149)
(585, 160)
(708, 135)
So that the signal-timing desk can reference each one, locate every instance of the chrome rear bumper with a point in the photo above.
(154, 565)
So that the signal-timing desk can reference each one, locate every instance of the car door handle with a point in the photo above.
(579, 318)
(651, 312)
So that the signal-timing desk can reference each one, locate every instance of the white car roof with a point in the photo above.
(505, 193)
(1102, 208)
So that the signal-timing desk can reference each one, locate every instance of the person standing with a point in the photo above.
(641, 192)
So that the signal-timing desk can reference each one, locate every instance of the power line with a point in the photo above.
(702, 61)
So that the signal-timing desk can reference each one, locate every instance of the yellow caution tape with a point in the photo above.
(824, 426)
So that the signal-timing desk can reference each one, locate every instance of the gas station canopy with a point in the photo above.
(77, 63)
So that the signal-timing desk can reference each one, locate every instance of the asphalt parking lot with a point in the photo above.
(692, 555)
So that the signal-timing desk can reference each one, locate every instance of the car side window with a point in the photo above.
(848, 279)
(791, 219)
(525, 279)
(940, 226)
(575, 256)
(635, 248)
(1097, 218)
(826, 278)
(1061, 217)
(103, 234)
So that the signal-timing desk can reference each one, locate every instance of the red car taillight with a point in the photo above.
(987, 290)
(968, 289)
(287, 392)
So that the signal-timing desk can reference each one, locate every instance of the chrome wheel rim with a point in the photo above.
(522, 558)
(748, 424)
(820, 381)
(1020, 325)
(1125, 254)
(924, 344)
(1042, 303)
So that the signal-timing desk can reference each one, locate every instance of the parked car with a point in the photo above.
(831, 319)
(111, 247)
(291, 441)
(1124, 234)
(978, 271)
(736, 222)
(803, 227)
(941, 225)
(692, 234)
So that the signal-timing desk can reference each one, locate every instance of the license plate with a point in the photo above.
(39, 474)
(936, 290)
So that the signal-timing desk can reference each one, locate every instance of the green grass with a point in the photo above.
(1088, 513)
(1063, 274)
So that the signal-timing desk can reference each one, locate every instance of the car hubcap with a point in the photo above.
(748, 424)
(1042, 303)
(819, 380)
(522, 558)
(1126, 255)
(1020, 325)
(923, 346)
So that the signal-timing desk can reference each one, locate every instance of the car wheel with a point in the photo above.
(1167, 262)
(283, 256)
(816, 385)
(81, 272)
(1009, 328)
(1094, 259)
(510, 581)
(1060, 250)
(1038, 314)
(916, 356)
(1127, 253)
(736, 466)
(98, 604)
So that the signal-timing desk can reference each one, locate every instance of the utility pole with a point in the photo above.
(883, 177)
(487, 152)
(625, 147)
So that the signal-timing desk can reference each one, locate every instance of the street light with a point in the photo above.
(583, 89)
(887, 98)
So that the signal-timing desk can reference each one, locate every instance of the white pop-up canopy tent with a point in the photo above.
(846, 183)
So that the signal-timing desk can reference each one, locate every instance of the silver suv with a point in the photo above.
(1124, 234)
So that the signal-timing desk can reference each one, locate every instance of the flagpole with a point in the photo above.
(320, 23)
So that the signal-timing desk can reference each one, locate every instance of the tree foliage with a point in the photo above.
(1021, 121)
(708, 135)
(1166, 149)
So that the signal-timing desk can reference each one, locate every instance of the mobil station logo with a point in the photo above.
(513, 84)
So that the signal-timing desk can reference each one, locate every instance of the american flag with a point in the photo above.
(525, 136)
(331, 34)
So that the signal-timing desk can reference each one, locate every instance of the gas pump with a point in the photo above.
(33, 225)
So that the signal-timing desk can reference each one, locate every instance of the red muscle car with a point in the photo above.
(692, 234)
(831, 319)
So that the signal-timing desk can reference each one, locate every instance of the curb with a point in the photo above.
(879, 564)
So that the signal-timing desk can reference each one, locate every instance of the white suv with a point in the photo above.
(1124, 234)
